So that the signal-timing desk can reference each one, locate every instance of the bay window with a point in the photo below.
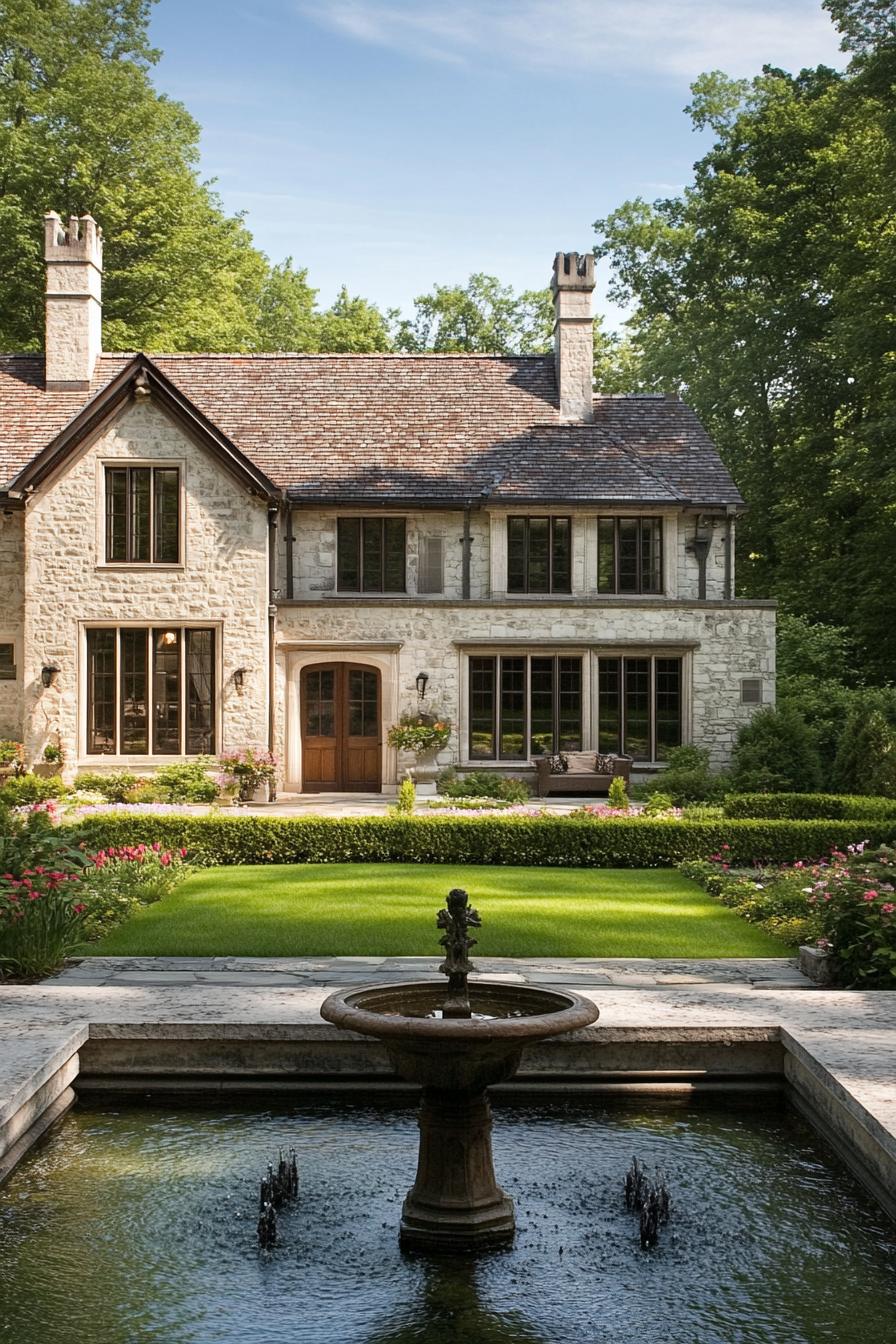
(151, 691)
(523, 705)
(639, 706)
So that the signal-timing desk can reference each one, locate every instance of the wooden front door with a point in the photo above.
(341, 743)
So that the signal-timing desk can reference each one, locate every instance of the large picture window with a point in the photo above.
(629, 555)
(523, 705)
(639, 706)
(151, 691)
(539, 555)
(142, 515)
(370, 555)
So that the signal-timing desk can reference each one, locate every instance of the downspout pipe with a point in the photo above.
(729, 553)
(699, 547)
(465, 559)
(290, 541)
(273, 517)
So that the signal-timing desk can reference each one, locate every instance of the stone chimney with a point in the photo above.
(571, 285)
(74, 258)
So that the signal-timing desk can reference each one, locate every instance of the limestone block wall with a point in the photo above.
(12, 617)
(222, 580)
(314, 551)
(721, 643)
(688, 571)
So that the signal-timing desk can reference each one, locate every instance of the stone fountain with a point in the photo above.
(456, 1045)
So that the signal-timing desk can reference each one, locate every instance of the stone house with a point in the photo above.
(204, 552)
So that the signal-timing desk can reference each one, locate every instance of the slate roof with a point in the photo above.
(427, 429)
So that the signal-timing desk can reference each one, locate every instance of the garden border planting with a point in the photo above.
(567, 842)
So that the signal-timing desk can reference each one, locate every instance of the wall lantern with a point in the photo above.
(422, 679)
(48, 674)
(239, 677)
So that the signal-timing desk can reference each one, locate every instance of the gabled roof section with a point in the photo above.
(423, 430)
(139, 377)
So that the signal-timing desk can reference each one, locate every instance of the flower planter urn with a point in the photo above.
(425, 772)
(46, 769)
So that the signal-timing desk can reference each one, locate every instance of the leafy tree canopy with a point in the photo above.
(766, 293)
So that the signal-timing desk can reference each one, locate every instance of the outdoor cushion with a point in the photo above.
(559, 764)
(581, 762)
(604, 763)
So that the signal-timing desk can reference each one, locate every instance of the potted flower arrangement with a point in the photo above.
(424, 736)
(252, 771)
(12, 758)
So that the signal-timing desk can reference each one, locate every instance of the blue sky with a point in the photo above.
(393, 144)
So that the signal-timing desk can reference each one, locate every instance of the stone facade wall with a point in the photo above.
(688, 571)
(314, 551)
(721, 643)
(222, 579)
(12, 617)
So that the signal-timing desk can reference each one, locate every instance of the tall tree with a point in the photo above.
(767, 293)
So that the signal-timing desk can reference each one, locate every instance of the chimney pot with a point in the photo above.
(74, 259)
(572, 284)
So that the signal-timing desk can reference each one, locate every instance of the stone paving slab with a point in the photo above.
(624, 973)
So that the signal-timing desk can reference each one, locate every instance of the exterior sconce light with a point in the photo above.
(422, 679)
(48, 674)
(239, 677)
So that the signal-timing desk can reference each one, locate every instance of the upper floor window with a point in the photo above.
(142, 515)
(150, 691)
(629, 555)
(539, 555)
(370, 555)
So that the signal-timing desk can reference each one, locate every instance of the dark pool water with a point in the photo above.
(137, 1224)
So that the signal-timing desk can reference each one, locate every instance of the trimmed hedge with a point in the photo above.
(561, 842)
(809, 806)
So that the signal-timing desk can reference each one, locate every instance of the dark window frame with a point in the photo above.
(489, 719)
(9, 671)
(370, 573)
(656, 585)
(524, 584)
(196, 692)
(614, 668)
(155, 527)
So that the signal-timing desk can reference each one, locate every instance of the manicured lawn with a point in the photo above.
(389, 910)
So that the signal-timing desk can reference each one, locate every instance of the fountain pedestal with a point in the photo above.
(456, 1046)
(455, 1202)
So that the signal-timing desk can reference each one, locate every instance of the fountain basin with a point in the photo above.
(455, 1203)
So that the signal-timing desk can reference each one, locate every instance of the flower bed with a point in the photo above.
(844, 904)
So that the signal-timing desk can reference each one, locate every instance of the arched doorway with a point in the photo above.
(341, 728)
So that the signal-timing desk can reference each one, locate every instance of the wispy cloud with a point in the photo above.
(675, 39)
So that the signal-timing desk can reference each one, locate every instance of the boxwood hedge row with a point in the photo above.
(809, 806)
(562, 842)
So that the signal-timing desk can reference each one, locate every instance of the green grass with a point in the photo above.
(385, 909)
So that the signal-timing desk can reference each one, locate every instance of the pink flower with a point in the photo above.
(870, 896)
(888, 908)
(79, 909)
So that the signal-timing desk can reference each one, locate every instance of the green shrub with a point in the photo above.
(617, 796)
(114, 785)
(855, 900)
(20, 790)
(483, 784)
(807, 806)
(658, 803)
(565, 842)
(866, 754)
(687, 778)
(776, 900)
(407, 797)
(775, 752)
(184, 782)
(470, 804)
